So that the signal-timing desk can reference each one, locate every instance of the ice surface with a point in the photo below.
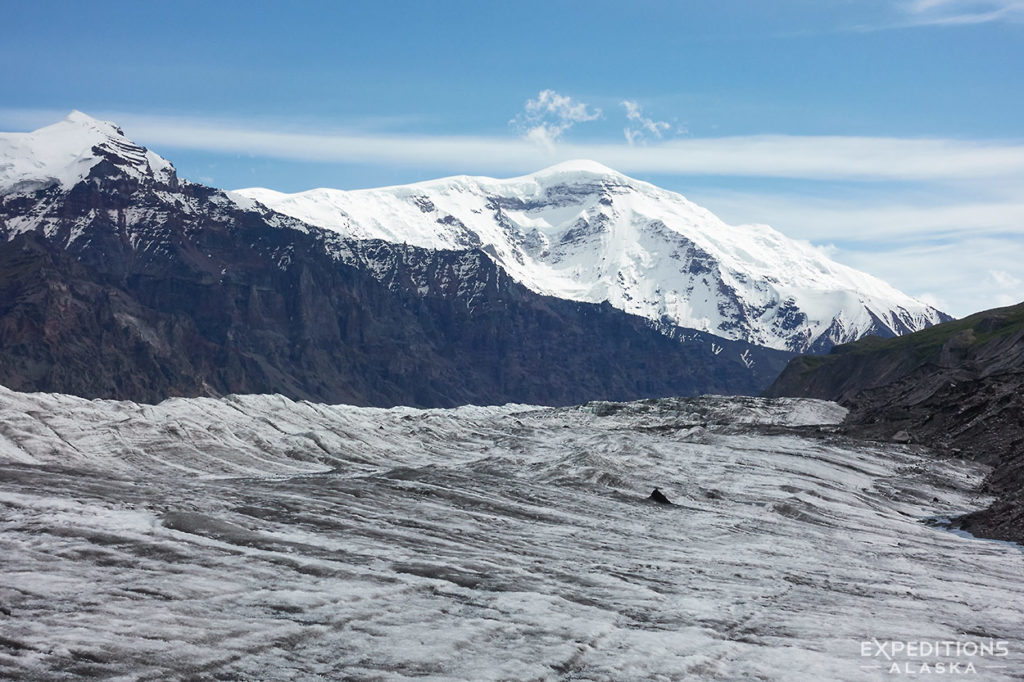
(255, 537)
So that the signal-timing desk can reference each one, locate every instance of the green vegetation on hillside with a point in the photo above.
(985, 326)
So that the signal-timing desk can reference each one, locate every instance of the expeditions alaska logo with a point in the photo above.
(937, 657)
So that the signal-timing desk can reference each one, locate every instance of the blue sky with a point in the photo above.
(889, 132)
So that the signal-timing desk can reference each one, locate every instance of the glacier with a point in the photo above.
(257, 537)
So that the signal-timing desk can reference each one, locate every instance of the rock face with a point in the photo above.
(958, 387)
(582, 231)
(119, 280)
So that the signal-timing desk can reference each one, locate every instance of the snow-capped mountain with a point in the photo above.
(584, 232)
(120, 280)
(65, 153)
(42, 171)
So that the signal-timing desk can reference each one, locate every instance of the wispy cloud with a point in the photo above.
(544, 120)
(956, 254)
(960, 277)
(908, 14)
(872, 221)
(954, 12)
(781, 156)
(641, 126)
(770, 156)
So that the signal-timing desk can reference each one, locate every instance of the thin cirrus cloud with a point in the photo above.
(959, 277)
(777, 156)
(821, 157)
(874, 222)
(910, 14)
(962, 12)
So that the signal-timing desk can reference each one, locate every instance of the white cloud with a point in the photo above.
(770, 156)
(962, 12)
(871, 220)
(903, 14)
(958, 277)
(779, 156)
(1006, 280)
(563, 107)
(644, 125)
(957, 256)
(819, 157)
(545, 119)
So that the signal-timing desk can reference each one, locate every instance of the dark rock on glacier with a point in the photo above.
(659, 497)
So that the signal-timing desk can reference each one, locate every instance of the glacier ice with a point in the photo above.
(258, 537)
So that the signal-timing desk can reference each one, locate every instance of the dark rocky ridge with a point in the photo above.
(146, 287)
(957, 387)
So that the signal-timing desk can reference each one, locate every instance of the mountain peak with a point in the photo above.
(577, 167)
(64, 153)
(84, 120)
(582, 231)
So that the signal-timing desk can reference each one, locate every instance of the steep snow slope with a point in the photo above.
(581, 231)
(255, 537)
(65, 153)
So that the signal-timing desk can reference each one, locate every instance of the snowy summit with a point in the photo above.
(64, 154)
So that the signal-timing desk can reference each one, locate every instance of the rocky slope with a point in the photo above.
(119, 280)
(582, 231)
(958, 387)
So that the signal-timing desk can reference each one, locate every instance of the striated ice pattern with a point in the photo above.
(255, 537)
